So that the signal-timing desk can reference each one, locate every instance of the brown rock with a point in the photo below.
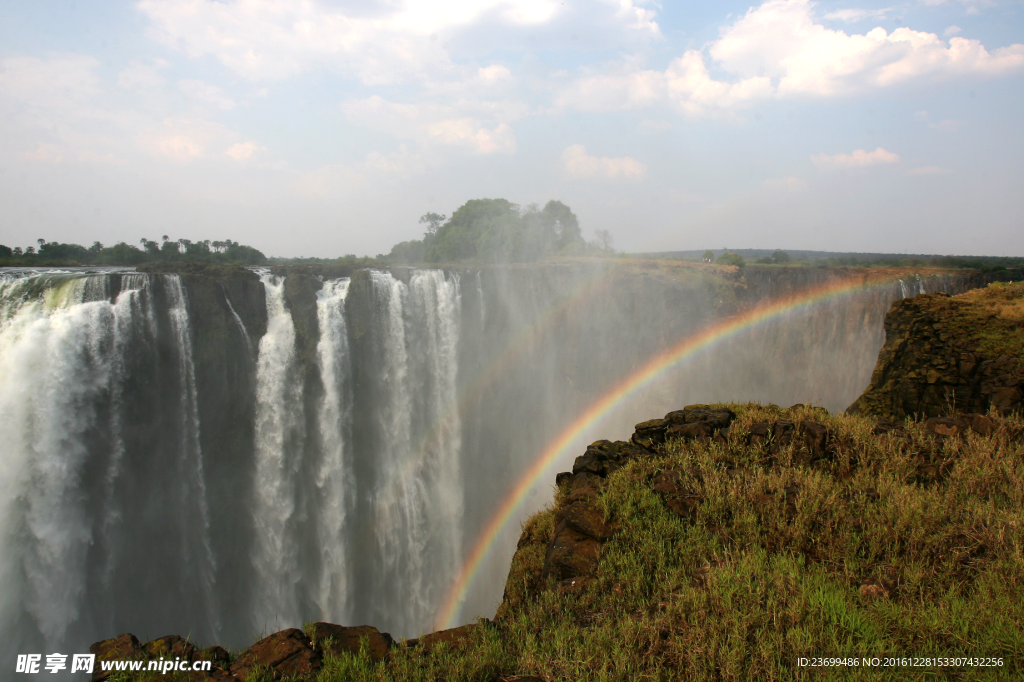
(945, 426)
(980, 424)
(650, 433)
(289, 652)
(337, 639)
(571, 554)
(170, 646)
(122, 647)
(450, 637)
(584, 517)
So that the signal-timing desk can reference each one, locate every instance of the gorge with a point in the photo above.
(228, 452)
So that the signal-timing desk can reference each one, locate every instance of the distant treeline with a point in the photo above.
(58, 254)
(495, 231)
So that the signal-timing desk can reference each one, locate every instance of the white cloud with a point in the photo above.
(266, 39)
(493, 73)
(928, 170)
(431, 124)
(858, 159)
(206, 93)
(578, 164)
(860, 14)
(187, 139)
(778, 50)
(951, 31)
(243, 151)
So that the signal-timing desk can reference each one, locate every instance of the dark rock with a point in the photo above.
(562, 478)
(337, 639)
(650, 434)
(980, 424)
(289, 652)
(584, 517)
(571, 554)
(171, 646)
(945, 426)
(122, 647)
(451, 637)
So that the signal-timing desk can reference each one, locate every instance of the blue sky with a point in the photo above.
(325, 128)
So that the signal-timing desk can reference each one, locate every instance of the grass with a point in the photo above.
(752, 584)
(992, 319)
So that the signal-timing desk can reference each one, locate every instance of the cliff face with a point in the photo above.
(944, 352)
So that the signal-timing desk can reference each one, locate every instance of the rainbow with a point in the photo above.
(655, 367)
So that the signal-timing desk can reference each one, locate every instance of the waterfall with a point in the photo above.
(417, 504)
(279, 435)
(238, 320)
(78, 550)
(175, 460)
(334, 477)
(199, 559)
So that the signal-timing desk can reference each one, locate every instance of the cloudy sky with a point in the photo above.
(326, 127)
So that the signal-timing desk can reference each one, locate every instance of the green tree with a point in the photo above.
(731, 259)
(709, 256)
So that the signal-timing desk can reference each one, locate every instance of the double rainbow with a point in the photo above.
(654, 368)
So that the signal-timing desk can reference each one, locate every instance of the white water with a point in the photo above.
(64, 349)
(417, 501)
(279, 436)
(334, 476)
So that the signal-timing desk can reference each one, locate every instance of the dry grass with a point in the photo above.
(992, 319)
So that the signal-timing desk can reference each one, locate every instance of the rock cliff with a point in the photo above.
(946, 353)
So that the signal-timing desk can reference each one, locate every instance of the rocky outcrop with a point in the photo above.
(567, 555)
(946, 353)
(289, 653)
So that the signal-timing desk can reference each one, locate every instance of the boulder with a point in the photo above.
(337, 639)
(289, 652)
(451, 637)
(122, 647)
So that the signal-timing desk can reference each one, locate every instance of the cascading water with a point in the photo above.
(335, 475)
(415, 508)
(279, 440)
(265, 451)
(80, 546)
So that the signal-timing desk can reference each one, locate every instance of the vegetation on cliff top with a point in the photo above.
(56, 254)
(901, 543)
(991, 318)
(495, 231)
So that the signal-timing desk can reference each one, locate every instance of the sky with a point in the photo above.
(328, 127)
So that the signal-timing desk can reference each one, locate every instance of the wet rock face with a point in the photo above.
(929, 367)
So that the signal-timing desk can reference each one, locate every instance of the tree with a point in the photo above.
(566, 225)
(96, 247)
(780, 257)
(731, 259)
(433, 221)
(604, 238)
(709, 256)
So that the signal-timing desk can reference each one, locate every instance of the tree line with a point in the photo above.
(497, 231)
(55, 253)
